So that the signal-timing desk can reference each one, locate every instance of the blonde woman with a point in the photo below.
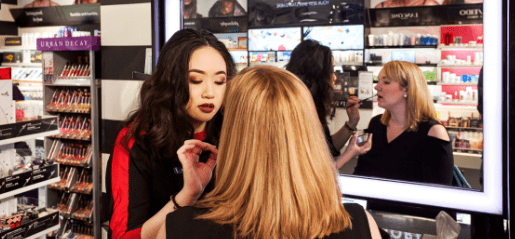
(275, 177)
(409, 143)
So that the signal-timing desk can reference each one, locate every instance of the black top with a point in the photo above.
(330, 143)
(182, 224)
(412, 156)
(140, 186)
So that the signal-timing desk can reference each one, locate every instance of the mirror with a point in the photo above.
(487, 199)
(451, 56)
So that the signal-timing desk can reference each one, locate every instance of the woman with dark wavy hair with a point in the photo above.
(179, 102)
(313, 63)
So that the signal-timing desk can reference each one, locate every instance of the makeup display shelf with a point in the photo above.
(72, 92)
(23, 180)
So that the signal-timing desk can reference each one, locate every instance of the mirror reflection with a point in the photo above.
(450, 153)
(405, 72)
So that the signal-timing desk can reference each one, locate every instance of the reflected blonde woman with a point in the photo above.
(409, 142)
(275, 177)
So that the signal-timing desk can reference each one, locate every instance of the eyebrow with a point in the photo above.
(203, 72)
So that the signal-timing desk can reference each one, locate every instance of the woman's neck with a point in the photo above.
(398, 115)
(199, 126)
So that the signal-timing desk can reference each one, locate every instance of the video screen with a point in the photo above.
(274, 13)
(274, 39)
(408, 56)
(337, 37)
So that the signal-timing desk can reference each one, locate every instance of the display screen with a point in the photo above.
(269, 13)
(408, 56)
(337, 37)
(274, 39)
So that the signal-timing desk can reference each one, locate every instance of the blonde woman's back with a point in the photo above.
(275, 177)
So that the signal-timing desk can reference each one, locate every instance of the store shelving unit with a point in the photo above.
(28, 180)
(73, 93)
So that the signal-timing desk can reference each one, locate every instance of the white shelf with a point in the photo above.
(457, 103)
(71, 82)
(349, 63)
(468, 154)
(27, 137)
(23, 64)
(459, 66)
(18, 48)
(28, 188)
(460, 48)
(44, 232)
(465, 84)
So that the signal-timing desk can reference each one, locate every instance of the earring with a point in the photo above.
(405, 96)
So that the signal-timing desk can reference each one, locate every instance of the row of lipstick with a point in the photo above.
(74, 154)
(75, 71)
(74, 128)
(77, 101)
(68, 178)
(76, 206)
(84, 185)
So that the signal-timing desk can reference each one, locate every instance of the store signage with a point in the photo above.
(17, 181)
(465, 14)
(33, 227)
(68, 44)
(34, 17)
(406, 16)
(57, 16)
(426, 16)
(81, 14)
(13, 41)
(44, 173)
(27, 128)
(218, 25)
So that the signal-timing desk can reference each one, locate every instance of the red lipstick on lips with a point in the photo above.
(206, 108)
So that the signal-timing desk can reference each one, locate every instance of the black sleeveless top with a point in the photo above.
(182, 224)
(412, 156)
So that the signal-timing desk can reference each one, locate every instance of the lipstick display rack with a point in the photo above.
(71, 92)
(70, 100)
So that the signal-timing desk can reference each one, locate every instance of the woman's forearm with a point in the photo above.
(344, 158)
(341, 137)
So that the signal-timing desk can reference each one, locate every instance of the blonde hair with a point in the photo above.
(275, 177)
(419, 103)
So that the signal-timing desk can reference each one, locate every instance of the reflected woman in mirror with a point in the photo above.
(274, 177)
(190, 9)
(226, 8)
(409, 143)
(79, 2)
(313, 63)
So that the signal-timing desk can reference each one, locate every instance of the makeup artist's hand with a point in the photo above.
(352, 107)
(358, 149)
(196, 174)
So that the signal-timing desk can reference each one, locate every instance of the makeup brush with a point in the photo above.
(369, 98)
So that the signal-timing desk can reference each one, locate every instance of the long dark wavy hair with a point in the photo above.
(161, 124)
(312, 63)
